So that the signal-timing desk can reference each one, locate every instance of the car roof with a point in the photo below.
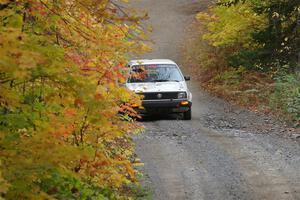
(151, 61)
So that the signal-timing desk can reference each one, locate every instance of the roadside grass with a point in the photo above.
(275, 94)
(286, 98)
(139, 191)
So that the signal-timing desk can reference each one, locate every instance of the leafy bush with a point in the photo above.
(230, 76)
(231, 26)
(61, 134)
(256, 34)
(287, 97)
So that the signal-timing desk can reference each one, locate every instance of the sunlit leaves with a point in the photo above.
(231, 26)
(261, 35)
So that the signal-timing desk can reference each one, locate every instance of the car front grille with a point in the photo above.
(159, 95)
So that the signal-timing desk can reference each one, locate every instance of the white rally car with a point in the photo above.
(162, 86)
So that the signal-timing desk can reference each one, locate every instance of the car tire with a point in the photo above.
(188, 114)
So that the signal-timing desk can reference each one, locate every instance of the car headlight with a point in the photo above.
(181, 95)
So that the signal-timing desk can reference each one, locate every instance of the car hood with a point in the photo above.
(157, 87)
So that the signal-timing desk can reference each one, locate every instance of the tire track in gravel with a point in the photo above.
(219, 154)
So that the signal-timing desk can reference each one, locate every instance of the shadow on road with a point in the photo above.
(158, 117)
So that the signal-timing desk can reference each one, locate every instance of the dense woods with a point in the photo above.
(62, 134)
(248, 51)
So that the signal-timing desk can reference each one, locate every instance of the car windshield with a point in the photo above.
(155, 73)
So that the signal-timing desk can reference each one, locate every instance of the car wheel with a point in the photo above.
(188, 114)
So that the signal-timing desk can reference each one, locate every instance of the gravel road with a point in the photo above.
(224, 152)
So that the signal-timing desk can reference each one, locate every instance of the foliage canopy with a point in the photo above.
(61, 132)
(262, 35)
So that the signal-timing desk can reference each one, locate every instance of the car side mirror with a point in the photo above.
(187, 78)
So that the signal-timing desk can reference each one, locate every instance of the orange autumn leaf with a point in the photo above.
(70, 112)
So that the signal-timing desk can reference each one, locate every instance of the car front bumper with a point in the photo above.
(165, 106)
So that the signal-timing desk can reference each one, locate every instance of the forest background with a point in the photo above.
(248, 52)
